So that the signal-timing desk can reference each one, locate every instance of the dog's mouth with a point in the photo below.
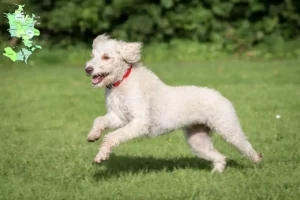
(96, 79)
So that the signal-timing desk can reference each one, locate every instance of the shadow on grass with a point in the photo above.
(120, 165)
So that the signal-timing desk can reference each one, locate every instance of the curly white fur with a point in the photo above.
(142, 105)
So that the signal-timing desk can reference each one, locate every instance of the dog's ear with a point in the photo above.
(100, 38)
(130, 51)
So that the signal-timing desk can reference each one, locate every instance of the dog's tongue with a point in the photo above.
(96, 80)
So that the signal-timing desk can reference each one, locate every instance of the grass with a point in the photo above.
(47, 111)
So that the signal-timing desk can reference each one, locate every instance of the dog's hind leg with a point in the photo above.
(199, 140)
(231, 131)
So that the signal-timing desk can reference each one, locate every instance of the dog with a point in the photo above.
(139, 104)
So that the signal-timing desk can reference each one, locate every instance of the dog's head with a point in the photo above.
(111, 59)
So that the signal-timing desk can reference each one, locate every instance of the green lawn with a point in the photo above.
(47, 111)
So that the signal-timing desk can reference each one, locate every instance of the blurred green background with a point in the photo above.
(181, 30)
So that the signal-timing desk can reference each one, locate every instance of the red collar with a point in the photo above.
(110, 86)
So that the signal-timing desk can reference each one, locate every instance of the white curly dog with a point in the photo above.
(139, 104)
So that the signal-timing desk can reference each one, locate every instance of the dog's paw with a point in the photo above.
(97, 161)
(258, 158)
(101, 157)
(219, 167)
(93, 136)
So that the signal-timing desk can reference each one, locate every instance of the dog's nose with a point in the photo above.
(89, 70)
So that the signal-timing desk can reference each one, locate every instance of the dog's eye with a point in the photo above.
(105, 57)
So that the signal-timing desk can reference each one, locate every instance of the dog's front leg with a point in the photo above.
(132, 130)
(108, 121)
